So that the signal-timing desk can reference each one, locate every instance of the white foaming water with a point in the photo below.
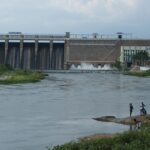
(86, 66)
(144, 68)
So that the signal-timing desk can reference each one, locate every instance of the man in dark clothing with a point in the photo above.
(131, 108)
(143, 110)
(142, 105)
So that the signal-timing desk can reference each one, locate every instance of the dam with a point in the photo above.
(59, 52)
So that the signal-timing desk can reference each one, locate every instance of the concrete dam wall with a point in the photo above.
(43, 56)
(58, 52)
(99, 51)
(93, 51)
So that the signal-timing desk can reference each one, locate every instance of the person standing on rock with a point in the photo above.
(131, 108)
(142, 105)
(143, 110)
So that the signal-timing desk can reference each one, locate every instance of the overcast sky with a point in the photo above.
(76, 16)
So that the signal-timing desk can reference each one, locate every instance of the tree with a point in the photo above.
(117, 64)
(141, 57)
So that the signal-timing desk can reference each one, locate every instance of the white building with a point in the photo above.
(127, 53)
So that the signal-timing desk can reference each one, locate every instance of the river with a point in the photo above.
(60, 108)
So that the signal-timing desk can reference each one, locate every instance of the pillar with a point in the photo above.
(36, 52)
(50, 53)
(66, 54)
(21, 51)
(6, 48)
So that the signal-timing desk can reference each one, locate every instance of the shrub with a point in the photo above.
(131, 140)
(5, 68)
(117, 65)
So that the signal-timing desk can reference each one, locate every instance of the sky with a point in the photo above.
(75, 16)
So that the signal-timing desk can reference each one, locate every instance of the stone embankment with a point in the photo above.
(125, 121)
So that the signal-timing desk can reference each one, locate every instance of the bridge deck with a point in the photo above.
(32, 37)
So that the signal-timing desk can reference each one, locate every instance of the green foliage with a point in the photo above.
(134, 140)
(131, 140)
(117, 65)
(10, 76)
(141, 57)
(140, 74)
(5, 68)
(99, 144)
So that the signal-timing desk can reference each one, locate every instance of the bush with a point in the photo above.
(117, 65)
(20, 76)
(5, 68)
(139, 74)
(131, 140)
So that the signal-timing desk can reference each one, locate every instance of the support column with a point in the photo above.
(66, 54)
(6, 48)
(36, 51)
(50, 53)
(21, 51)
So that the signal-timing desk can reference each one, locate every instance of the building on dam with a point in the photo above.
(56, 52)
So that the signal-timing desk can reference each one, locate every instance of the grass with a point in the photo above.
(5, 68)
(22, 77)
(130, 140)
(140, 74)
(11, 76)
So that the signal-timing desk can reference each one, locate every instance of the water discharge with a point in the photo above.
(86, 66)
(144, 68)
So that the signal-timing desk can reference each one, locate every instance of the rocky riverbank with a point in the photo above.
(130, 140)
(134, 120)
(125, 121)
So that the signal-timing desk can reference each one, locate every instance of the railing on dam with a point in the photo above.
(62, 37)
(92, 36)
(32, 37)
(19, 36)
(100, 36)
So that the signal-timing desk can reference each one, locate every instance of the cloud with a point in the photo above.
(74, 15)
(95, 8)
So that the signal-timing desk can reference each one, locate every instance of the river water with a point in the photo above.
(60, 108)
